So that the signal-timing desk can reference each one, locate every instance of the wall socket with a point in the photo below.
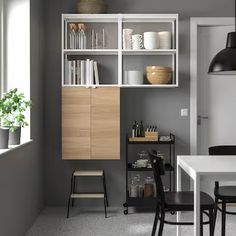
(184, 112)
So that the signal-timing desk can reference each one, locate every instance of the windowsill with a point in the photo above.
(14, 147)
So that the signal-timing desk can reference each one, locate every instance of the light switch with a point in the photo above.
(184, 112)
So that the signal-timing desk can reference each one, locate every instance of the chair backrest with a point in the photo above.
(158, 171)
(222, 150)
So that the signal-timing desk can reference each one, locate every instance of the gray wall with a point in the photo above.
(161, 106)
(21, 170)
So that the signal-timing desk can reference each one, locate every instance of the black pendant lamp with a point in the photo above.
(224, 63)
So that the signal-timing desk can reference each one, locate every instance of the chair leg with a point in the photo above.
(73, 191)
(161, 221)
(223, 218)
(105, 207)
(215, 211)
(201, 223)
(211, 225)
(155, 221)
(105, 188)
(68, 208)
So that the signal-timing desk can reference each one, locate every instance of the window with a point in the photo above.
(15, 50)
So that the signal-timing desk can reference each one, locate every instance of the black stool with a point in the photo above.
(73, 195)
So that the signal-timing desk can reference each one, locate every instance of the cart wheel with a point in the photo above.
(125, 204)
(126, 212)
(172, 212)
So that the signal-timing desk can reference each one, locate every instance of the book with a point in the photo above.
(78, 72)
(74, 72)
(82, 71)
(87, 72)
(91, 72)
(95, 67)
(69, 72)
(66, 68)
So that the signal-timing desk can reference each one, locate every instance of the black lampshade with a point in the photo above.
(224, 63)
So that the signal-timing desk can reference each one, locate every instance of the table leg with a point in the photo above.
(197, 205)
(178, 189)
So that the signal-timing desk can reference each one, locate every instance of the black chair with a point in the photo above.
(223, 194)
(177, 201)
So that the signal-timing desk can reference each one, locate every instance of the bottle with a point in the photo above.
(134, 129)
(141, 129)
(137, 130)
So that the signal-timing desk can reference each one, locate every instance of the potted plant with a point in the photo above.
(12, 108)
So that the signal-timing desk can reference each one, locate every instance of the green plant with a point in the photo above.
(12, 108)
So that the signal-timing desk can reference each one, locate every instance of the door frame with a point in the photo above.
(195, 23)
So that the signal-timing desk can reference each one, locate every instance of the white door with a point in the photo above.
(216, 95)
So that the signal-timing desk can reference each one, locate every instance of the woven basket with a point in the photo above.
(91, 7)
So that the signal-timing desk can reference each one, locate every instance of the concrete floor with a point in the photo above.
(91, 222)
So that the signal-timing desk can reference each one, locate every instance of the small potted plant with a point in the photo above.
(13, 106)
(5, 109)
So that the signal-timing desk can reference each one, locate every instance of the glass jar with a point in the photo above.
(162, 156)
(143, 158)
(149, 187)
(133, 188)
(139, 182)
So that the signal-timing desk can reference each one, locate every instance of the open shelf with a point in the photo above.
(91, 51)
(168, 167)
(149, 52)
(149, 85)
(108, 30)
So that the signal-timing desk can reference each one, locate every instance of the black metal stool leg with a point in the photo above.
(105, 188)
(105, 207)
(223, 218)
(73, 190)
(68, 208)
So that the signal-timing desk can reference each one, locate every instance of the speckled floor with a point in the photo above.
(91, 222)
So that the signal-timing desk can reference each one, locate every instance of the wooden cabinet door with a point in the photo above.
(105, 123)
(76, 123)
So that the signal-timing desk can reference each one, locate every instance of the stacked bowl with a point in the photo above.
(159, 74)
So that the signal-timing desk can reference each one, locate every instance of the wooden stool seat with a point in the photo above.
(80, 195)
(87, 195)
(88, 173)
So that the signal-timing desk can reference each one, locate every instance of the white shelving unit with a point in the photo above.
(116, 59)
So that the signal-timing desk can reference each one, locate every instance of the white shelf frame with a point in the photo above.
(120, 19)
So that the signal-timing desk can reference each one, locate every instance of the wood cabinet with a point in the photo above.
(90, 123)
(105, 123)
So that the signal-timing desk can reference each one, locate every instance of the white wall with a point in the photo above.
(21, 171)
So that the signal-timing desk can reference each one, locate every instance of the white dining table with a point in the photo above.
(197, 167)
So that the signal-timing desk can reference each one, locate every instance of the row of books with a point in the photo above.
(81, 72)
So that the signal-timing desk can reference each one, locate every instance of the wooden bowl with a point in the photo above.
(91, 7)
(159, 78)
(158, 68)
